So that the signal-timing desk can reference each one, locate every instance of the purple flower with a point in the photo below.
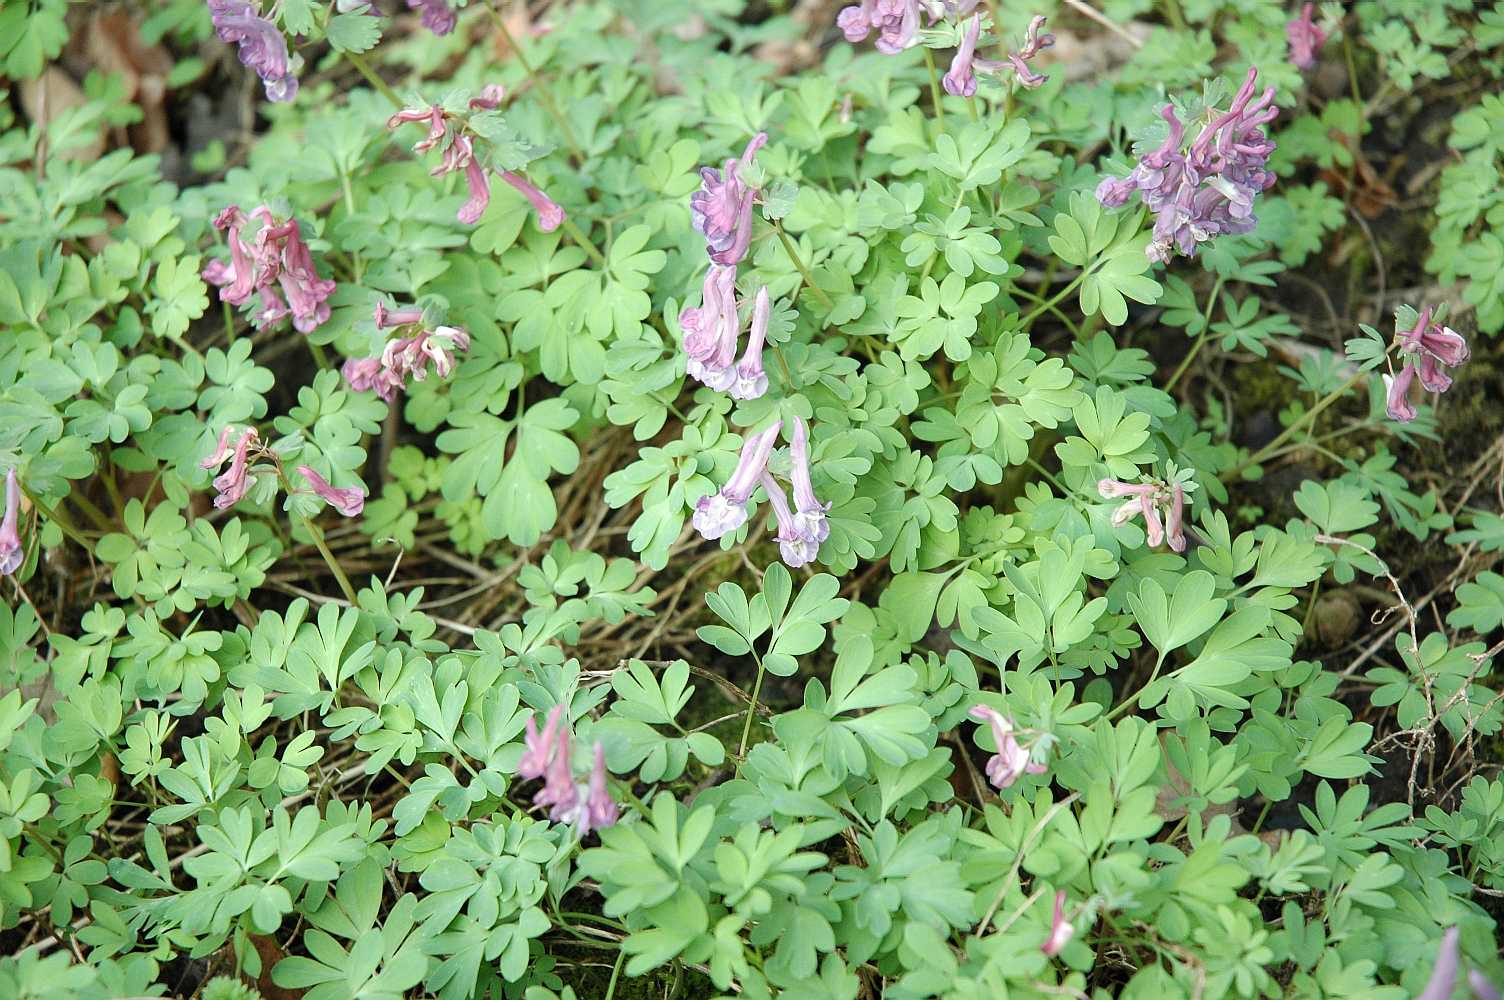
(599, 808)
(348, 500)
(540, 749)
(1019, 61)
(1429, 350)
(438, 127)
(856, 22)
(1146, 499)
(1397, 389)
(1011, 760)
(1061, 930)
(559, 792)
(405, 358)
(278, 264)
(1444, 972)
(711, 331)
(725, 511)
(809, 516)
(895, 21)
(262, 46)
(751, 381)
(11, 551)
(1174, 530)
(233, 483)
(307, 293)
(1482, 988)
(722, 209)
(478, 182)
(1208, 188)
(795, 546)
(550, 215)
(961, 79)
(1306, 38)
(489, 98)
(436, 16)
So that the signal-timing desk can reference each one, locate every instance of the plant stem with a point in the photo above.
(793, 252)
(1128, 702)
(329, 560)
(543, 92)
(1307, 418)
(319, 357)
(929, 61)
(364, 69)
(1051, 302)
(741, 750)
(1206, 324)
(584, 241)
(621, 957)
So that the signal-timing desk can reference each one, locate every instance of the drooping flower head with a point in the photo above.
(407, 358)
(232, 484)
(550, 214)
(436, 15)
(1011, 761)
(1429, 351)
(795, 546)
(348, 500)
(722, 209)
(1019, 59)
(261, 46)
(12, 553)
(1061, 930)
(1148, 500)
(1207, 188)
(456, 146)
(540, 748)
(725, 511)
(751, 380)
(1306, 38)
(600, 809)
(276, 264)
(587, 807)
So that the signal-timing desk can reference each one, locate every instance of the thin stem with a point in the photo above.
(576, 234)
(1128, 702)
(543, 92)
(319, 357)
(329, 560)
(741, 750)
(1054, 300)
(1172, 8)
(793, 252)
(788, 376)
(1206, 325)
(1307, 418)
(929, 62)
(229, 323)
(621, 956)
(364, 69)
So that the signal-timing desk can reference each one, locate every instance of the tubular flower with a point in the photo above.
(1306, 38)
(588, 807)
(550, 214)
(458, 150)
(1147, 499)
(725, 511)
(797, 548)
(1203, 190)
(809, 512)
(489, 98)
(1429, 350)
(895, 21)
(1443, 981)
(540, 748)
(437, 16)
(405, 358)
(711, 331)
(751, 381)
(11, 551)
(348, 500)
(1061, 930)
(261, 45)
(1011, 760)
(1481, 987)
(232, 484)
(961, 79)
(278, 263)
(476, 180)
(1019, 60)
(722, 209)
(599, 808)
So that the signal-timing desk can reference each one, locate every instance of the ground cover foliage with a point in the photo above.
(648, 499)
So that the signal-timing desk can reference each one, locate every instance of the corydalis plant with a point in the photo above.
(232, 485)
(436, 15)
(586, 806)
(1429, 351)
(1203, 188)
(1012, 760)
(895, 21)
(1160, 503)
(405, 358)
(261, 45)
(722, 209)
(713, 330)
(1306, 38)
(800, 529)
(961, 79)
(276, 265)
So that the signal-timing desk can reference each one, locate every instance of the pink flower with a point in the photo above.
(600, 809)
(1398, 404)
(436, 15)
(809, 516)
(1011, 760)
(895, 21)
(1306, 38)
(489, 98)
(540, 749)
(1061, 930)
(233, 483)
(961, 79)
(711, 331)
(438, 127)
(559, 792)
(795, 545)
(722, 209)
(349, 500)
(1146, 500)
(725, 511)
(751, 380)
(1174, 530)
(12, 554)
(405, 358)
(550, 215)
(278, 264)
(588, 807)
(479, 184)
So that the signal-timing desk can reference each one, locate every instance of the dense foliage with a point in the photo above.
(402, 595)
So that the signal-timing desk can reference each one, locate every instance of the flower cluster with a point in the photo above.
(232, 484)
(458, 153)
(586, 806)
(1429, 349)
(713, 330)
(261, 45)
(437, 16)
(12, 553)
(1148, 499)
(1012, 760)
(802, 529)
(961, 79)
(895, 21)
(274, 264)
(722, 209)
(407, 357)
(1202, 190)
(1306, 38)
